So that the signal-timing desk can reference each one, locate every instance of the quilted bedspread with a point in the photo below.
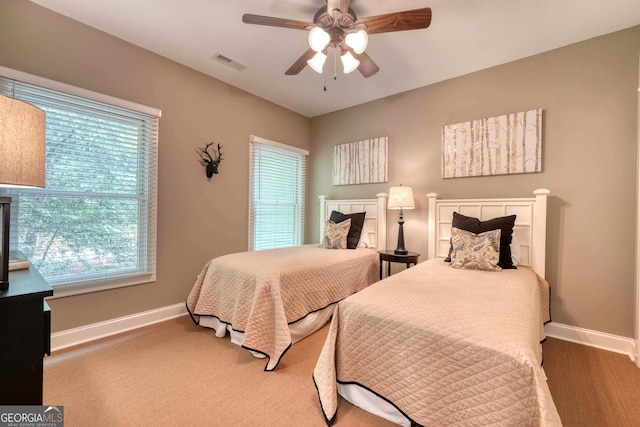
(260, 293)
(447, 347)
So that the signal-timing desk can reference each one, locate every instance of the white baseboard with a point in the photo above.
(592, 338)
(83, 334)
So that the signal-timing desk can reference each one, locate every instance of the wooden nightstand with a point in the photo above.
(391, 256)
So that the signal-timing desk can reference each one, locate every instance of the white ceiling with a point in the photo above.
(464, 36)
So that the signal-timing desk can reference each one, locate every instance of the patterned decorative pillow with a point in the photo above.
(475, 251)
(335, 235)
(474, 225)
(357, 222)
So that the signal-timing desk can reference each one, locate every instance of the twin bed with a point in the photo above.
(268, 300)
(441, 346)
(431, 345)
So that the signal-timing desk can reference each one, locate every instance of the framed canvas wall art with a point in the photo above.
(507, 144)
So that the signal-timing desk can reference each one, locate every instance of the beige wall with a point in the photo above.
(588, 93)
(197, 219)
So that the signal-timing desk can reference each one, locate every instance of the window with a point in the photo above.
(93, 226)
(277, 195)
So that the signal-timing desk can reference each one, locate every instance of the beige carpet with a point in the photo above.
(592, 387)
(177, 374)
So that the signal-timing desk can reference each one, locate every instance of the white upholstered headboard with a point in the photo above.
(530, 227)
(376, 217)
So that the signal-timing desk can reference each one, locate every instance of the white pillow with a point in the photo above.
(515, 250)
(364, 241)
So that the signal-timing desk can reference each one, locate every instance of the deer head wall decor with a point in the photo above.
(208, 161)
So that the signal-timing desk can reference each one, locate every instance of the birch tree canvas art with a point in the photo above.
(361, 162)
(507, 144)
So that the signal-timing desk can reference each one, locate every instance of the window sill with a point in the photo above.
(63, 290)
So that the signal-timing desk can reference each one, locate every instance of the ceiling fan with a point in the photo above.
(338, 26)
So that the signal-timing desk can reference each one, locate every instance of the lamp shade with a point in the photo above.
(357, 41)
(22, 143)
(317, 62)
(22, 162)
(349, 62)
(318, 39)
(401, 197)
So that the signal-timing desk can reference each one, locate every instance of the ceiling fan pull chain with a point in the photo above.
(335, 64)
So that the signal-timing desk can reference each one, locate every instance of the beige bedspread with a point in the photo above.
(446, 347)
(259, 293)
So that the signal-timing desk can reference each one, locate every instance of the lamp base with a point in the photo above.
(400, 249)
(5, 209)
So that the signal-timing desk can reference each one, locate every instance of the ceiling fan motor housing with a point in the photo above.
(324, 19)
(336, 25)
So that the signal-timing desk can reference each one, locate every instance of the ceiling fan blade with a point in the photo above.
(300, 63)
(247, 18)
(367, 67)
(399, 21)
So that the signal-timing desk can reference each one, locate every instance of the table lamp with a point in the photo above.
(22, 162)
(400, 198)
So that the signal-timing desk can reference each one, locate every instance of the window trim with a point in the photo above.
(93, 285)
(279, 145)
(73, 90)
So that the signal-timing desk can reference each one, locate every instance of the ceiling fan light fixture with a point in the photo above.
(317, 62)
(357, 41)
(349, 62)
(335, 25)
(318, 39)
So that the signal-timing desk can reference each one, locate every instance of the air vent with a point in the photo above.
(229, 62)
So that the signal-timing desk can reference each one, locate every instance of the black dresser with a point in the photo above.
(25, 337)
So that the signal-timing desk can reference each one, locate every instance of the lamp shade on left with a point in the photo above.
(22, 143)
(22, 162)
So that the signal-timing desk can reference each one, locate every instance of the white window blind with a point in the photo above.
(277, 195)
(94, 224)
